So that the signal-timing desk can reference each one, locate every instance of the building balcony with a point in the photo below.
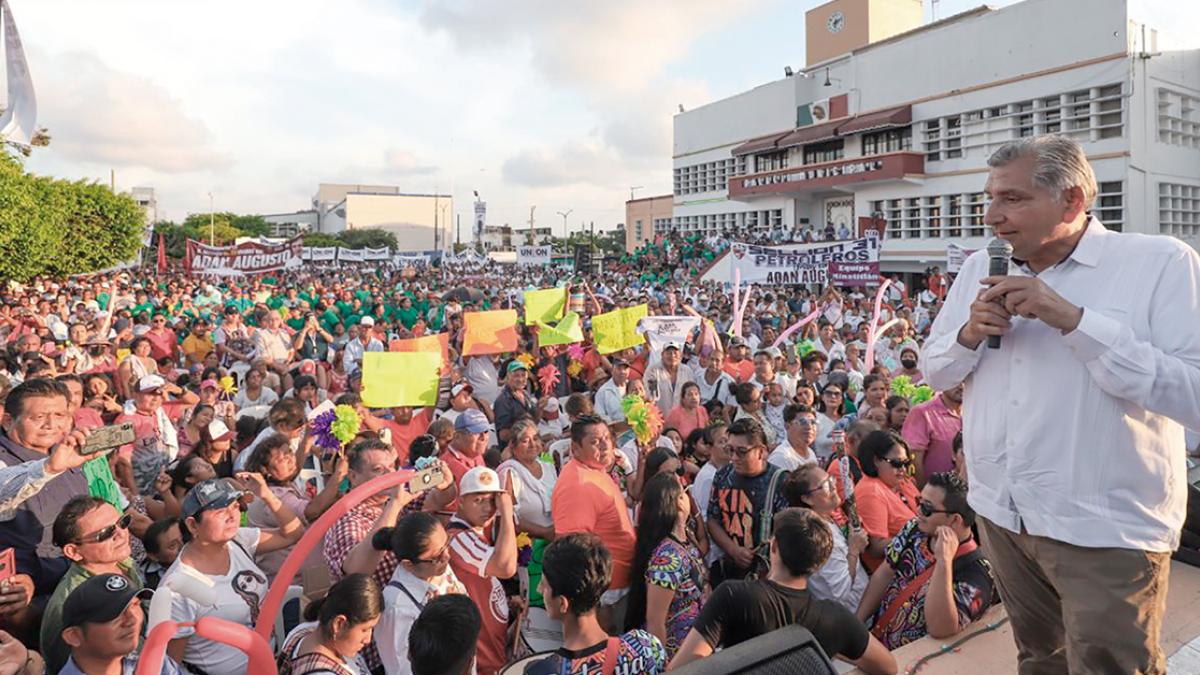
(893, 166)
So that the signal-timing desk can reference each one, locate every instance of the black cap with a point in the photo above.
(100, 599)
(214, 493)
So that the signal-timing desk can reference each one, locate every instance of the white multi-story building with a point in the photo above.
(891, 124)
(144, 196)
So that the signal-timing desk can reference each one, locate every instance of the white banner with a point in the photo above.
(382, 253)
(533, 255)
(410, 259)
(663, 329)
(350, 254)
(955, 257)
(19, 123)
(795, 263)
(323, 254)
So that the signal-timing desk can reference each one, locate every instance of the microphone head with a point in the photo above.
(999, 248)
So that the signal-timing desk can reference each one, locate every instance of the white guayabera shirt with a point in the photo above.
(1080, 437)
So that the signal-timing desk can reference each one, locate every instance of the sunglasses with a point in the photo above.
(899, 464)
(926, 509)
(743, 452)
(108, 532)
(805, 422)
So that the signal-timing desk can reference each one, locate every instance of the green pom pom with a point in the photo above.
(922, 394)
(345, 424)
(804, 348)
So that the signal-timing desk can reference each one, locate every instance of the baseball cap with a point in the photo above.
(214, 493)
(151, 382)
(460, 387)
(473, 422)
(772, 352)
(218, 431)
(308, 367)
(100, 599)
(620, 363)
(209, 384)
(479, 479)
(736, 341)
(366, 321)
(516, 365)
(673, 344)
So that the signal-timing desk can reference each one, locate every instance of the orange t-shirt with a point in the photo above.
(404, 434)
(741, 371)
(587, 500)
(884, 512)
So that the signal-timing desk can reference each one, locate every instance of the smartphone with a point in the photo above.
(107, 438)
(8, 564)
(426, 479)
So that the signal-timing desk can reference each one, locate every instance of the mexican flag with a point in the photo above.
(812, 113)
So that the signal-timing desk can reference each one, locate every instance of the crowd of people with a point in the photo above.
(645, 509)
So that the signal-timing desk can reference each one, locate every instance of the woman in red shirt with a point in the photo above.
(886, 496)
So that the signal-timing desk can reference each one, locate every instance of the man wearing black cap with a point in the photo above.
(103, 626)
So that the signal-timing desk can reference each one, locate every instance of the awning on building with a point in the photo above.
(810, 134)
(880, 119)
(760, 144)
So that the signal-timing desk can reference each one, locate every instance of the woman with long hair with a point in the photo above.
(275, 460)
(192, 432)
(338, 627)
(669, 581)
(897, 407)
(216, 447)
(135, 366)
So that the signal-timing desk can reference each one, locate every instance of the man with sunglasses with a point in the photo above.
(934, 579)
(800, 422)
(745, 495)
(94, 536)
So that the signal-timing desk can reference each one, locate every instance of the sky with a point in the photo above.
(560, 105)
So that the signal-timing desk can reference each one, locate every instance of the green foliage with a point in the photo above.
(320, 240)
(366, 239)
(58, 227)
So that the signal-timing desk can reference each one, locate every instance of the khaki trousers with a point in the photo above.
(1079, 610)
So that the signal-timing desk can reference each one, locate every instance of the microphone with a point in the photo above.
(999, 254)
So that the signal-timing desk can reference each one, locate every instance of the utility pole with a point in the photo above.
(435, 218)
(529, 238)
(635, 187)
(458, 230)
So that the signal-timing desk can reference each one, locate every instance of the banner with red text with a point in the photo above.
(245, 258)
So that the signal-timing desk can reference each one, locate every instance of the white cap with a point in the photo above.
(151, 382)
(217, 430)
(479, 479)
(366, 321)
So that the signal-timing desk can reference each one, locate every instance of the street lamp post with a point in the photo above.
(564, 215)
(212, 226)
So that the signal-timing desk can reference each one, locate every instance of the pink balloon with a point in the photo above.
(315, 534)
(261, 661)
(873, 326)
(797, 326)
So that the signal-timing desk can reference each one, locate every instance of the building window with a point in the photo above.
(829, 151)
(1178, 118)
(637, 231)
(1086, 115)
(1179, 210)
(890, 140)
(771, 161)
(1110, 205)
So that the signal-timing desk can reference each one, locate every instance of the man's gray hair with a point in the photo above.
(1059, 164)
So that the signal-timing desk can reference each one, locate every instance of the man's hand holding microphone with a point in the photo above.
(1006, 297)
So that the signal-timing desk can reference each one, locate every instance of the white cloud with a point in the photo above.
(611, 47)
(99, 115)
(404, 163)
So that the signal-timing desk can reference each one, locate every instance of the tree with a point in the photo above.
(319, 239)
(57, 227)
(369, 238)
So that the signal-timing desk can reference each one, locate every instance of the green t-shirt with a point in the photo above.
(408, 317)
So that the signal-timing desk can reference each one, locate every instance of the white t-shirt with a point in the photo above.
(707, 391)
(401, 609)
(785, 457)
(832, 581)
(266, 396)
(236, 596)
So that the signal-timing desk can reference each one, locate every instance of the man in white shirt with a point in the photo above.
(713, 381)
(665, 380)
(609, 395)
(801, 424)
(1073, 427)
(365, 342)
